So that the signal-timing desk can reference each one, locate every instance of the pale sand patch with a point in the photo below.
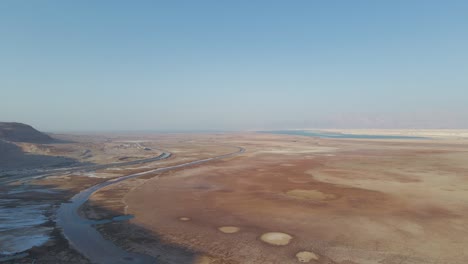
(114, 169)
(309, 195)
(229, 229)
(97, 174)
(306, 256)
(184, 218)
(287, 165)
(276, 238)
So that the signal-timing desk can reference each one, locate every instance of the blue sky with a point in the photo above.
(234, 65)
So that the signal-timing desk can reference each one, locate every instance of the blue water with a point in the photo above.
(114, 219)
(337, 135)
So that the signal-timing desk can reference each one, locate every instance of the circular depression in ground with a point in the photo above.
(306, 256)
(229, 229)
(276, 238)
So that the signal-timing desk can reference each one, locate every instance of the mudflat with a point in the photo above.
(295, 199)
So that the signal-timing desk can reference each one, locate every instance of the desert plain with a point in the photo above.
(286, 199)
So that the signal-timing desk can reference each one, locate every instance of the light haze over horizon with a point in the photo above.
(233, 65)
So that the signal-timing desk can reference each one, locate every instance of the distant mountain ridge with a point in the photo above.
(19, 132)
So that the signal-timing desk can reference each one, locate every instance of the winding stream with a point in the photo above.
(82, 235)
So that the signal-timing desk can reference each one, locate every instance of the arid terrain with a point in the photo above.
(234, 132)
(286, 199)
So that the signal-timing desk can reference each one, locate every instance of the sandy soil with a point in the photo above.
(314, 200)
(288, 199)
(35, 200)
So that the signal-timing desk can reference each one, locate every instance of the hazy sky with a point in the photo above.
(171, 65)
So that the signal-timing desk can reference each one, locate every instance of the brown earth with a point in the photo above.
(288, 199)
(346, 201)
(48, 192)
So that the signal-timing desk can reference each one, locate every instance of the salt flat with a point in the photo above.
(346, 201)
